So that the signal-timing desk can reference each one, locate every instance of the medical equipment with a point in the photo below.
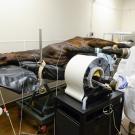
(81, 75)
(89, 104)
(101, 117)
(94, 71)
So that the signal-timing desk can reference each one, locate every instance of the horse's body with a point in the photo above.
(59, 53)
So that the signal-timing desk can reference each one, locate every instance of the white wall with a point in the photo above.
(128, 17)
(107, 16)
(59, 19)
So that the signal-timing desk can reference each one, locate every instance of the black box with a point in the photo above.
(70, 119)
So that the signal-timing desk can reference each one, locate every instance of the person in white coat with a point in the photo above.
(127, 68)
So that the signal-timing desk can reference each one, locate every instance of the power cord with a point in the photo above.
(58, 71)
(57, 81)
(7, 113)
(108, 110)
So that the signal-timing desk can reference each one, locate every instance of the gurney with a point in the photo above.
(19, 79)
(56, 56)
(23, 79)
(40, 103)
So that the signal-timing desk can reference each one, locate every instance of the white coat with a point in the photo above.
(127, 68)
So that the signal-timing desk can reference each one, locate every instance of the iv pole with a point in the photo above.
(42, 64)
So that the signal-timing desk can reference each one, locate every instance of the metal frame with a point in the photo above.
(40, 114)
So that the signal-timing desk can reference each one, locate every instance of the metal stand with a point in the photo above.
(41, 106)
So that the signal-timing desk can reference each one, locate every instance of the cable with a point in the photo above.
(58, 71)
(25, 133)
(108, 110)
(84, 105)
(7, 113)
(20, 125)
(22, 96)
(57, 80)
(114, 122)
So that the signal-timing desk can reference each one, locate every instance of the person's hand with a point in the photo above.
(122, 82)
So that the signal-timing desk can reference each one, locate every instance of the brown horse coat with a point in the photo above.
(59, 53)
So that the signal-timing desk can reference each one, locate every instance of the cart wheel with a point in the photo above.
(43, 129)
